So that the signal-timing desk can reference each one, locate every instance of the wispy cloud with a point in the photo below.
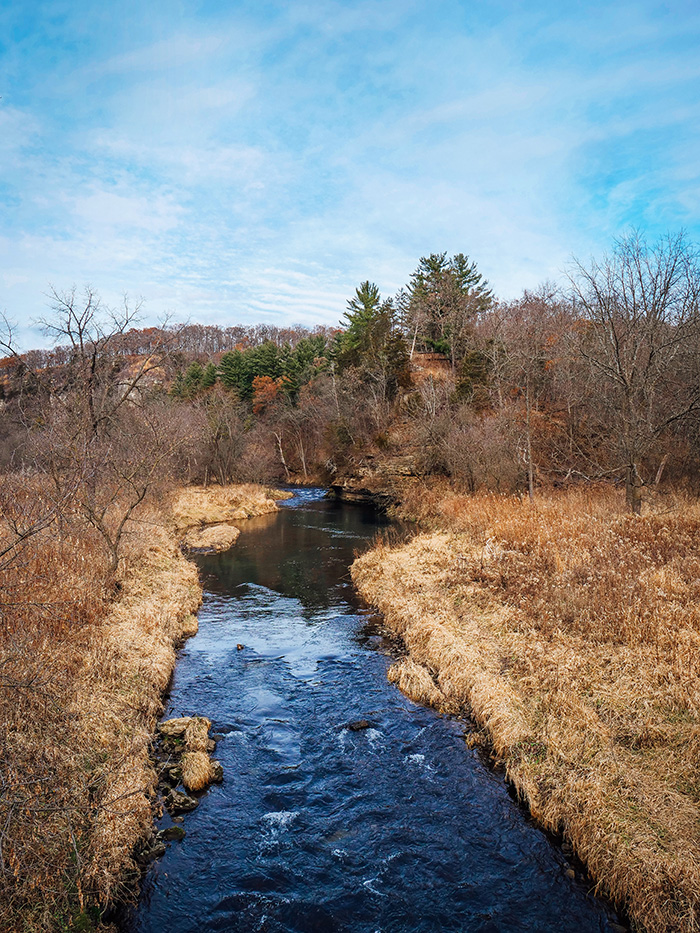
(234, 163)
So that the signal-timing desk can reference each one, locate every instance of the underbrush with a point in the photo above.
(571, 632)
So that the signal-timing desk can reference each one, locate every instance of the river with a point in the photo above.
(396, 827)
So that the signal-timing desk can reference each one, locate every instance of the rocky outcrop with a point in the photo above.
(376, 479)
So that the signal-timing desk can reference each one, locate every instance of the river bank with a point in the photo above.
(80, 704)
(571, 634)
(344, 805)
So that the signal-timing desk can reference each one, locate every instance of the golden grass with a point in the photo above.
(82, 672)
(211, 538)
(417, 683)
(196, 770)
(80, 690)
(571, 633)
(210, 505)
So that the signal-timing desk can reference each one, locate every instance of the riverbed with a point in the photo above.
(321, 825)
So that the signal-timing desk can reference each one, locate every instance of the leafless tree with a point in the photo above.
(92, 429)
(641, 309)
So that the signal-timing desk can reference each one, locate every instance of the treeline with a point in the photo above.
(596, 381)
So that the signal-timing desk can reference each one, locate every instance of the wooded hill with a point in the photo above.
(598, 381)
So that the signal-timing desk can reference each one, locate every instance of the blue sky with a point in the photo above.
(254, 161)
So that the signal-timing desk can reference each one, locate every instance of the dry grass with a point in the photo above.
(210, 505)
(211, 538)
(82, 672)
(196, 770)
(417, 683)
(571, 633)
(81, 678)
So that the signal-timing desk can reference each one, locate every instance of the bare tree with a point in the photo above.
(92, 429)
(641, 338)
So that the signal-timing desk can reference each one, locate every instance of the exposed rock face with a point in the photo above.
(379, 480)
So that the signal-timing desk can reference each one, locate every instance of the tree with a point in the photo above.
(444, 297)
(375, 349)
(94, 429)
(531, 331)
(368, 323)
(640, 308)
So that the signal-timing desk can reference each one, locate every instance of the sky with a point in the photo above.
(243, 162)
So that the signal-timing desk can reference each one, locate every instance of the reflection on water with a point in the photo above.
(397, 827)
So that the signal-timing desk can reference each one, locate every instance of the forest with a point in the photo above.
(595, 382)
(591, 388)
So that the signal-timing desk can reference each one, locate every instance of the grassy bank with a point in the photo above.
(84, 661)
(570, 632)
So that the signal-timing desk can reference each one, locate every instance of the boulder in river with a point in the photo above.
(178, 802)
(171, 834)
(358, 725)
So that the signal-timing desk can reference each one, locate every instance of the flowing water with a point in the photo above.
(397, 827)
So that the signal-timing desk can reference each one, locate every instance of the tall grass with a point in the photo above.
(82, 668)
(571, 632)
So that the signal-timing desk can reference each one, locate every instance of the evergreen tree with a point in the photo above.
(444, 297)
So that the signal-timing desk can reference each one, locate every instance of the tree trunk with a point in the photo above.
(413, 344)
(633, 489)
(302, 457)
(530, 468)
(279, 447)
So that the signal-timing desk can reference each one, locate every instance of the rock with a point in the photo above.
(240, 647)
(570, 873)
(358, 725)
(172, 834)
(178, 802)
(211, 745)
(151, 853)
(217, 772)
(174, 728)
(169, 774)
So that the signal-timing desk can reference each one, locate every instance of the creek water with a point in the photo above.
(396, 827)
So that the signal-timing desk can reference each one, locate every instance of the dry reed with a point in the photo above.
(196, 770)
(571, 633)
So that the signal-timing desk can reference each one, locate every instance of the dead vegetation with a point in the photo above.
(199, 506)
(81, 678)
(84, 660)
(204, 515)
(571, 634)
